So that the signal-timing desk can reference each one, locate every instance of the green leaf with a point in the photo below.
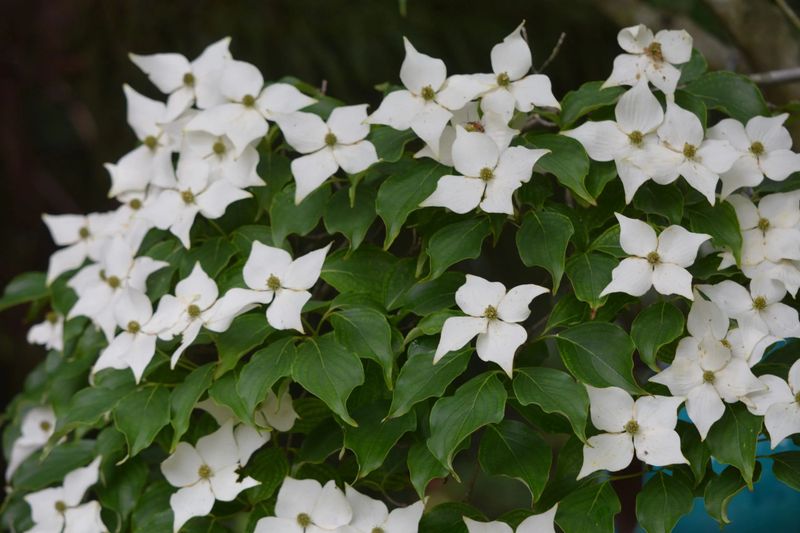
(589, 508)
(427, 297)
(351, 221)
(223, 392)
(366, 332)
(184, 397)
(663, 200)
(694, 449)
(589, 274)
(270, 467)
(375, 435)
(364, 271)
(448, 517)
(88, 406)
(423, 467)
(24, 288)
(245, 333)
(390, 143)
(244, 236)
(567, 311)
(213, 255)
(286, 218)
(662, 502)
(542, 241)
(36, 473)
(608, 243)
(659, 324)
(515, 450)
(123, 485)
(598, 354)
(329, 371)
(140, 416)
(694, 68)
(720, 222)
(264, 369)
(153, 512)
(567, 161)
(419, 378)
(555, 392)
(600, 174)
(786, 467)
(721, 489)
(478, 402)
(733, 438)
(586, 99)
(733, 94)
(409, 184)
(456, 242)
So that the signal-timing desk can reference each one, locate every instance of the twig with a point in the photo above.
(789, 12)
(553, 54)
(771, 77)
(536, 120)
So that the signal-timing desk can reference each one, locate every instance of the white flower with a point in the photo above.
(135, 346)
(244, 118)
(328, 146)
(36, 428)
(638, 115)
(764, 146)
(771, 229)
(650, 57)
(371, 515)
(273, 413)
(760, 307)
(655, 261)
(206, 472)
(58, 508)
(683, 152)
(426, 104)
(218, 152)
(49, 333)
(185, 82)
(489, 177)
(538, 523)
(305, 506)
(283, 281)
(646, 426)
(83, 237)
(779, 404)
(195, 192)
(493, 314)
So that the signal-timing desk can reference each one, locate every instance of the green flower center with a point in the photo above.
(759, 303)
(653, 258)
(486, 174)
(204, 471)
(219, 148)
(135, 204)
(45, 426)
(632, 427)
(51, 317)
(708, 376)
(249, 100)
(187, 196)
(428, 93)
(725, 343)
(330, 139)
(503, 80)
(193, 311)
(304, 520)
(273, 283)
(757, 149)
(84, 233)
(797, 397)
(763, 224)
(377, 530)
(636, 137)
(134, 327)
(490, 312)
(654, 52)
(188, 79)
(689, 151)
(113, 282)
(151, 142)
(60, 506)
(474, 126)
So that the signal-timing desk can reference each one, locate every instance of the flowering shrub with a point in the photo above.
(274, 330)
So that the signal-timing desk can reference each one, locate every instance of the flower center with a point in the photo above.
(503, 80)
(304, 520)
(84, 233)
(219, 148)
(188, 79)
(151, 142)
(653, 258)
(428, 93)
(689, 151)
(113, 282)
(797, 397)
(708, 376)
(187, 196)
(134, 327)
(135, 204)
(273, 283)
(45, 426)
(204, 472)
(60, 506)
(636, 137)
(51, 317)
(763, 224)
(193, 311)
(757, 149)
(486, 174)
(377, 530)
(725, 343)
(330, 139)
(248, 100)
(654, 52)
(632, 427)
(759, 303)
(490, 312)
(474, 126)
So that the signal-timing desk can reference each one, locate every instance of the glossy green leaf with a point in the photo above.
(786, 467)
(555, 392)
(592, 507)
(567, 161)
(657, 325)
(721, 489)
(263, 370)
(37, 473)
(24, 288)
(586, 99)
(354, 220)
(662, 502)
(184, 397)
(720, 222)
(213, 255)
(589, 274)
(270, 467)
(389, 143)
(286, 218)
(733, 94)
(733, 438)
(663, 200)
(140, 416)
(375, 435)
(456, 242)
(245, 333)
(542, 241)
(366, 332)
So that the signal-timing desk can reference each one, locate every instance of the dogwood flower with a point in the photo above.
(205, 473)
(538, 523)
(283, 281)
(655, 261)
(638, 115)
(49, 333)
(305, 506)
(764, 147)
(58, 509)
(195, 192)
(779, 404)
(337, 143)
(187, 82)
(646, 426)
(371, 515)
(489, 177)
(36, 428)
(218, 152)
(649, 56)
(771, 229)
(428, 100)
(493, 315)
(683, 152)
(82, 236)
(250, 105)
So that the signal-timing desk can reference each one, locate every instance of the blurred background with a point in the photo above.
(63, 62)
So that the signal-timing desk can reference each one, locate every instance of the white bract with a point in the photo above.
(638, 115)
(275, 412)
(208, 472)
(650, 57)
(770, 231)
(538, 523)
(493, 315)
(328, 146)
(218, 152)
(49, 333)
(779, 404)
(187, 83)
(371, 515)
(764, 147)
(655, 261)
(82, 236)
(37, 426)
(646, 426)
(305, 506)
(489, 176)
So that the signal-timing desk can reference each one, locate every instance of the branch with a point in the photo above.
(553, 54)
(772, 77)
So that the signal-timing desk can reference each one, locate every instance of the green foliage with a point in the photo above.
(655, 326)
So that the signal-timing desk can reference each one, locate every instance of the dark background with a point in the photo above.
(63, 62)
